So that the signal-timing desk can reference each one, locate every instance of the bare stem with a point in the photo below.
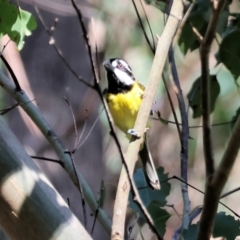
(213, 188)
(184, 141)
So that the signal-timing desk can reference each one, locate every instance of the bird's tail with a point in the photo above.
(148, 165)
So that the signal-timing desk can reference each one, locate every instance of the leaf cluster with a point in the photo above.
(228, 49)
(15, 22)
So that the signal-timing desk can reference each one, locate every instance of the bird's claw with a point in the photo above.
(133, 133)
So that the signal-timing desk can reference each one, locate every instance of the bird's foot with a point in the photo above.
(134, 133)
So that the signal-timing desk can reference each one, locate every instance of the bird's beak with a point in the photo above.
(107, 64)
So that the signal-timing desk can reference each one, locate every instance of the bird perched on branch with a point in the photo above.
(124, 96)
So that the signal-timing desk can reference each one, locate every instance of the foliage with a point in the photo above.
(159, 216)
(15, 22)
(225, 226)
(194, 96)
(147, 194)
(229, 49)
(154, 200)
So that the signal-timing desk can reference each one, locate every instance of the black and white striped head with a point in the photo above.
(119, 75)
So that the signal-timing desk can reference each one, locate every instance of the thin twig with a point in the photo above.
(171, 105)
(85, 36)
(191, 186)
(100, 203)
(96, 53)
(74, 124)
(80, 190)
(141, 24)
(149, 26)
(49, 32)
(184, 140)
(90, 131)
(83, 130)
(74, 167)
(6, 110)
(47, 159)
(230, 192)
(14, 78)
(175, 210)
(197, 126)
(197, 33)
(186, 15)
(4, 46)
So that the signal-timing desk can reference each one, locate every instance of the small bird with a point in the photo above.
(124, 96)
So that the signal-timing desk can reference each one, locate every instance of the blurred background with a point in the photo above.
(114, 27)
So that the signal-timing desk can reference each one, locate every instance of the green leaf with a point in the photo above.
(23, 26)
(233, 25)
(16, 23)
(194, 96)
(147, 194)
(191, 232)
(226, 227)
(159, 216)
(223, 20)
(199, 19)
(188, 40)
(229, 51)
(8, 16)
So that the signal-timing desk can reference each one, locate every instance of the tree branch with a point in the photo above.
(28, 200)
(143, 115)
(204, 55)
(213, 188)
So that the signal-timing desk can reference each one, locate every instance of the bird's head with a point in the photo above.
(119, 75)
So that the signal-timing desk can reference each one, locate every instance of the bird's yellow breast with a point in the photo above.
(124, 107)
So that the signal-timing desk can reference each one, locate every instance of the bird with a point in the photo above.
(124, 96)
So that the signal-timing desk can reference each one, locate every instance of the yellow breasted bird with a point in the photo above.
(124, 96)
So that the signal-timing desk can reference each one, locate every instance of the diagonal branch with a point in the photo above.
(142, 118)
